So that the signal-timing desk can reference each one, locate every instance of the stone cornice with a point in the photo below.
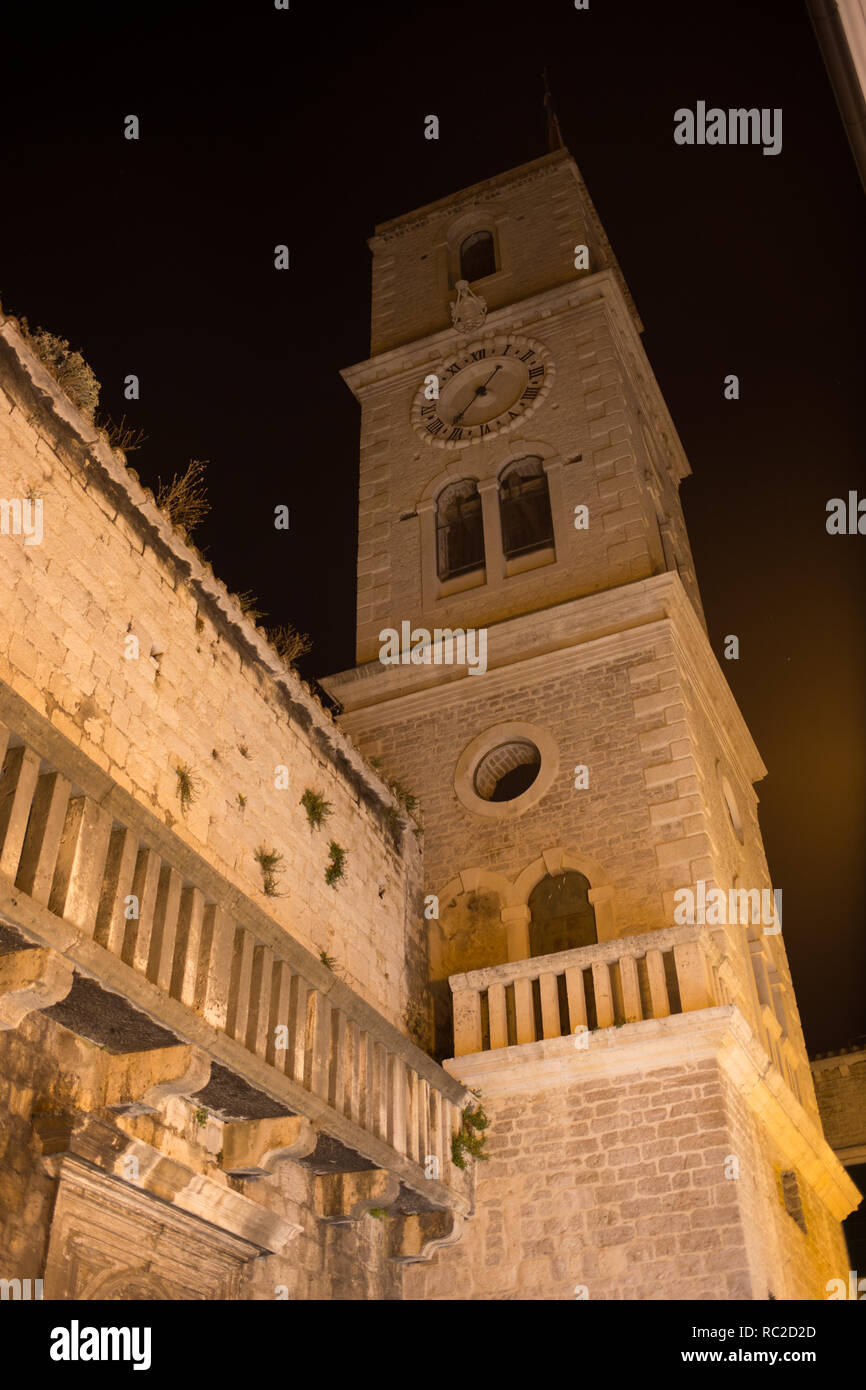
(573, 633)
(602, 290)
(518, 316)
(718, 1034)
(581, 632)
(833, 1061)
(241, 1227)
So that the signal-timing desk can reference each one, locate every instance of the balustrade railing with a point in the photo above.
(208, 964)
(675, 970)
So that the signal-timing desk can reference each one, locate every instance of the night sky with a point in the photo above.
(305, 127)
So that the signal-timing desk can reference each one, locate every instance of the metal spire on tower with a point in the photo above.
(554, 134)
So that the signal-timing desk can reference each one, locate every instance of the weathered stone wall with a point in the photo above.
(45, 1069)
(615, 1187)
(590, 715)
(840, 1085)
(784, 1258)
(205, 691)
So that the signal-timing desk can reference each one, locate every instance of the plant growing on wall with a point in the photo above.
(408, 800)
(187, 786)
(68, 368)
(270, 862)
(329, 961)
(122, 436)
(337, 864)
(316, 807)
(288, 643)
(247, 600)
(184, 499)
(470, 1137)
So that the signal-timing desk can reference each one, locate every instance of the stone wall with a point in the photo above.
(45, 1070)
(538, 212)
(590, 716)
(588, 429)
(204, 691)
(618, 1184)
(840, 1085)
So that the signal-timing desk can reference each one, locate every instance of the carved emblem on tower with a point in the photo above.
(468, 310)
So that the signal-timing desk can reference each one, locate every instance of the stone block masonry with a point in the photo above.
(840, 1086)
(204, 692)
(630, 1173)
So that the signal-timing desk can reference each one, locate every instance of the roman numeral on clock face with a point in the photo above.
(535, 371)
(530, 393)
(476, 356)
(456, 434)
(435, 426)
(525, 356)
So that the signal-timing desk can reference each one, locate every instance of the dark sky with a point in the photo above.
(261, 126)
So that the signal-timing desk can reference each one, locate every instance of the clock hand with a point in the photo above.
(482, 388)
(479, 391)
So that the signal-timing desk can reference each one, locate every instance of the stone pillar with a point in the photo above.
(488, 489)
(517, 921)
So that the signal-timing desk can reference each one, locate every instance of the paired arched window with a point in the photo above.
(524, 507)
(459, 529)
(562, 917)
(477, 256)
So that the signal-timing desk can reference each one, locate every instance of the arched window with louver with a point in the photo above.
(459, 529)
(524, 507)
(477, 256)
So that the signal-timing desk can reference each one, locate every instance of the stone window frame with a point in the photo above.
(471, 572)
(475, 219)
(478, 748)
(496, 569)
(541, 555)
(464, 252)
(514, 895)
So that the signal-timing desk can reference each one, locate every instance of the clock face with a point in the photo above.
(483, 391)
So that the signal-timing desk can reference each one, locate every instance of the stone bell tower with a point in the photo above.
(533, 664)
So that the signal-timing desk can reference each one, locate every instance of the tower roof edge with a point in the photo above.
(533, 169)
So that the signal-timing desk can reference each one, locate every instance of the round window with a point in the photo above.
(507, 771)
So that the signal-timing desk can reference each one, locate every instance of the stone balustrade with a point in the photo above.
(676, 970)
(103, 900)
